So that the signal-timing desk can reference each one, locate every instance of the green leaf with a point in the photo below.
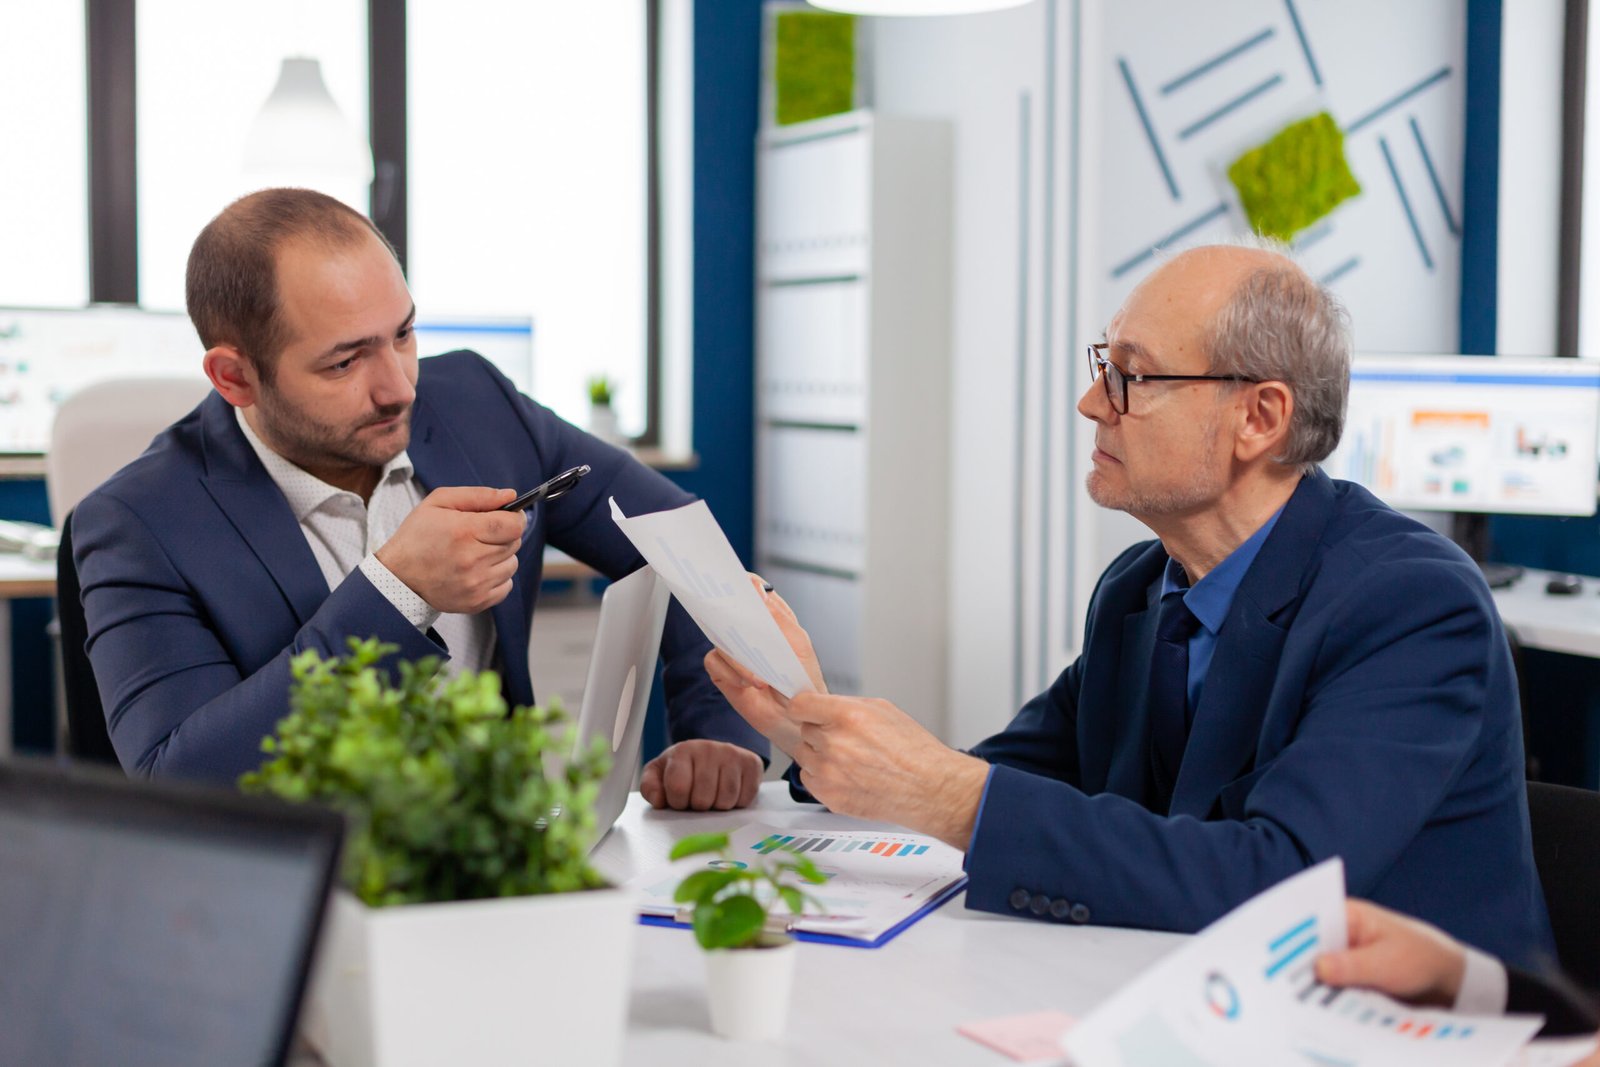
(733, 922)
(695, 844)
(795, 899)
(703, 884)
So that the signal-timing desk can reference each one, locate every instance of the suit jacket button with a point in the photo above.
(1060, 909)
(1040, 904)
(1079, 913)
(1018, 899)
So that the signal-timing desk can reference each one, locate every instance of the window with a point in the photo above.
(197, 98)
(527, 184)
(44, 228)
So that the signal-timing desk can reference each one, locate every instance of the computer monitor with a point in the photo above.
(45, 354)
(505, 341)
(1503, 435)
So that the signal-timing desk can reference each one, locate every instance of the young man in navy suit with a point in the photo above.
(334, 486)
(1292, 671)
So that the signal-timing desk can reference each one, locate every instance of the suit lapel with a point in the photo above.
(440, 461)
(250, 499)
(1233, 705)
(1129, 773)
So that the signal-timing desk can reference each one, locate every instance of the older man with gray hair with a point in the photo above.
(1292, 671)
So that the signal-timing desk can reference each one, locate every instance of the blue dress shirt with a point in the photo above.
(1210, 598)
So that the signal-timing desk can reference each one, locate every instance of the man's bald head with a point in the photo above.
(231, 286)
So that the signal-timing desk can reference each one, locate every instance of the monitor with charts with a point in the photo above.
(1498, 435)
(46, 354)
(154, 924)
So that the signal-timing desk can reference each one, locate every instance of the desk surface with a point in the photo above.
(897, 1004)
(1552, 622)
(24, 577)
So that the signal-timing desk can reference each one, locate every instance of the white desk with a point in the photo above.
(896, 1004)
(1553, 623)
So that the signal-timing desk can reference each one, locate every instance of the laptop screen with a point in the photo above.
(145, 924)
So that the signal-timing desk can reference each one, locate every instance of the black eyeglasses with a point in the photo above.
(1117, 379)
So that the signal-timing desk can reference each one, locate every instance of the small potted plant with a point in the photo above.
(602, 416)
(464, 937)
(749, 967)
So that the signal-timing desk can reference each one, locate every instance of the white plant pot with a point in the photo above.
(749, 991)
(522, 980)
(603, 423)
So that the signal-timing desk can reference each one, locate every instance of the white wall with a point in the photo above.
(1038, 238)
(1530, 177)
(984, 73)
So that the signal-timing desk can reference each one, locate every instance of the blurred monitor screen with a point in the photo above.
(507, 342)
(45, 355)
(1509, 435)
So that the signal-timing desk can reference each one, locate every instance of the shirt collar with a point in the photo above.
(1212, 596)
(304, 491)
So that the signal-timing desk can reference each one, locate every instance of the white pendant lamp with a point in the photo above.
(300, 137)
(915, 7)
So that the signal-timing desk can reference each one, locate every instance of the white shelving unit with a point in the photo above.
(853, 399)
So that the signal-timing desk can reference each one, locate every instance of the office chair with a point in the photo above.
(100, 428)
(87, 737)
(96, 432)
(1566, 848)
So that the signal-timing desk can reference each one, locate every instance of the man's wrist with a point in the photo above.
(954, 802)
(417, 612)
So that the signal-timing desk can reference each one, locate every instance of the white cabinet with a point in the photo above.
(852, 397)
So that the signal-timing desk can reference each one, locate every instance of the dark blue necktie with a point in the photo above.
(1169, 695)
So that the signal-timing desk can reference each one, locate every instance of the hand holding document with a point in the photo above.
(690, 552)
(1244, 992)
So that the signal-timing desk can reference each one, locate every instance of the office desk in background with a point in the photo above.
(897, 1004)
(1552, 622)
(21, 578)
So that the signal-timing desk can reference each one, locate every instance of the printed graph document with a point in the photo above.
(691, 553)
(1243, 993)
(878, 883)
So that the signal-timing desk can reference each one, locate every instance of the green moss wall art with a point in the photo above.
(814, 65)
(1295, 178)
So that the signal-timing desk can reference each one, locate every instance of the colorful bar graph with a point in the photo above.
(814, 844)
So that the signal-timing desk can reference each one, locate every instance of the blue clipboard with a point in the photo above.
(839, 939)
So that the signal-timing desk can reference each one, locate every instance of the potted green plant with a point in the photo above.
(602, 416)
(749, 966)
(463, 937)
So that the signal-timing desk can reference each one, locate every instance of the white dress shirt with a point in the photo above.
(1484, 985)
(344, 533)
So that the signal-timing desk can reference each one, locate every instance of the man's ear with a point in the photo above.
(1268, 407)
(233, 375)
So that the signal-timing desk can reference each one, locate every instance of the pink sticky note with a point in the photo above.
(1025, 1038)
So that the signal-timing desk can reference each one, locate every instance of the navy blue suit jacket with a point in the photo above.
(1361, 703)
(199, 586)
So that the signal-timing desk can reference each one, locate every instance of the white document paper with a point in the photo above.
(876, 879)
(691, 553)
(1244, 993)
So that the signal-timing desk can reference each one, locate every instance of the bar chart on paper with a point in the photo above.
(874, 883)
(1245, 991)
(882, 846)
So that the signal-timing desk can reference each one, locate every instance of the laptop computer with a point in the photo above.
(160, 924)
(622, 669)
